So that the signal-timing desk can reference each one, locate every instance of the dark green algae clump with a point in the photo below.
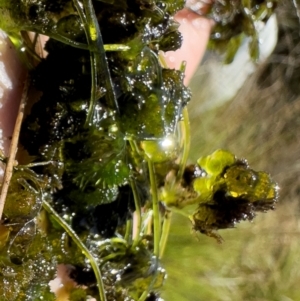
(91, 164)
(236, 21)
(230, 191)
(89, 171)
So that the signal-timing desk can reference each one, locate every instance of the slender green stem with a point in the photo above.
(162, 60)
(146, 292)
(99, 67)
(165, 232)
(182, 66)
(186, 137)
(113, 241)
(116, 47)
(128, 230)
(135, 152)
(118, 240)
(111, 256)
(144, 295)
(147, 218)
(138, 210)
(88, 28)
(56, 36)
(134, 146)
(155, 207)
(80, 245)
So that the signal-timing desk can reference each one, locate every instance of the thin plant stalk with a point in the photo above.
(144, 295)
(186, 137)
(13, 147)
(147, 222)
(184, 125)
(138, 210)
(99, 67)
(155, 208)
(116, 47)
(56, 36)
(111, 257)
(165, 233)
(128, 230)
(80, 245)
(149, 288)
(100, 62)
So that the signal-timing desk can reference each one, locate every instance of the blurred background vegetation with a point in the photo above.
(261, 260)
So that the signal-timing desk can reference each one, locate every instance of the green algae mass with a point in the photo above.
(92, 104)
(88, 198)
(216, 162)
(230, 192)
(236, 20)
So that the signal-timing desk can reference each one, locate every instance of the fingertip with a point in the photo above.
(12, 77)
(195, 32)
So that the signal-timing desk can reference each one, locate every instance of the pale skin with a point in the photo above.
(195, 31)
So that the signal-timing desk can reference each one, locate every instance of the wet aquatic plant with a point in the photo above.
(235, 20)
(108, 145)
